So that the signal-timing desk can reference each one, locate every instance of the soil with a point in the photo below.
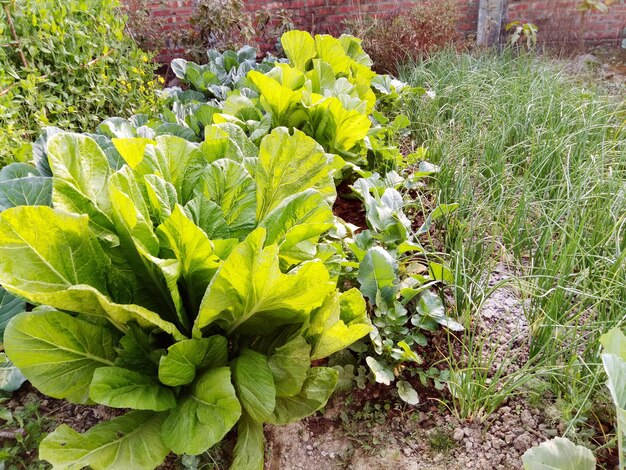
(603, 65)
(351, 211)
(79, 417)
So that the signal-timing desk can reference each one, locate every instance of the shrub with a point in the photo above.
(392, 39)
(146, 29)
(225, 24)
(69, 64)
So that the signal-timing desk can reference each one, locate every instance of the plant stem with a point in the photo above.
(14, 34)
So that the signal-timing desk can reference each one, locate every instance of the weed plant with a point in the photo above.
(537, 160)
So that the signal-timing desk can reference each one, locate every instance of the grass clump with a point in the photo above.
(537, 160)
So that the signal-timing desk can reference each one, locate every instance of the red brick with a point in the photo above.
(555, 17)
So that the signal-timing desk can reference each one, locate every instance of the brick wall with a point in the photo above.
(328, 16)
(558, 20)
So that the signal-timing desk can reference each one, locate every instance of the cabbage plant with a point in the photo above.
(188, 287)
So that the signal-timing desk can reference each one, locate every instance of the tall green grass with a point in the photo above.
(537, 160)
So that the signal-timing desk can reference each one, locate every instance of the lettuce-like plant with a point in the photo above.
(186, 286)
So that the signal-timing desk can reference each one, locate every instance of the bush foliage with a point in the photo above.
(391, 39)
(67, 64)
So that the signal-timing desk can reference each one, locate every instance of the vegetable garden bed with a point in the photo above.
(188, 288)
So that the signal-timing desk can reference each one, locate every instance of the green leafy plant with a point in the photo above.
(222, 73)
(395, 275)
(325, 88)
(524, 32)
(20, 184)
(186, 285)
(68, 65)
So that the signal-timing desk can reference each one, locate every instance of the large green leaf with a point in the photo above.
(338, 129)
(376, 272)
(59, 353)
(132, 441)
(321, 77)
(299, 217)
(185, 358)
(330, 50)
(250, 447)
(184, 240)
(209, 217)
(559, 454)
(42, 249)
(31, 191)
(250, 294)
(254, 384)
(614, 361)
(162, 197)
(289, 365)
(355, 51)
(171, 159)
(228, 184)
(289, 164)
(614, 342)
(204, 415)
(229, 141)
(341, 321)
(122, 388)
(287, 76)
(156, 286)
(616, 371)
(10, 306)
(53, 258)
(316, 390)
(132, 149)
(23, 185)
(81, 176)
(130, 211)
(11, 378)
(299, 47)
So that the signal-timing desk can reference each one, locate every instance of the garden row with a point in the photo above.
(190, 267)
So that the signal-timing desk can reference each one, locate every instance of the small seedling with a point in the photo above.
(441, 442)
(525, 32)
